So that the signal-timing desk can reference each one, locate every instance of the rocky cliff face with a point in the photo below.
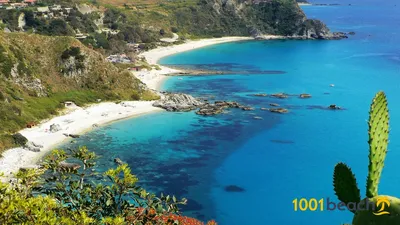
(256, 18)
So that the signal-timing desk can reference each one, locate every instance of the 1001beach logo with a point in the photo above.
(312, 204)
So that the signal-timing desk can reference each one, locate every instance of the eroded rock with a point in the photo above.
(178, 102)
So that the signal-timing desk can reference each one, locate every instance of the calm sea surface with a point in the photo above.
(283, 156)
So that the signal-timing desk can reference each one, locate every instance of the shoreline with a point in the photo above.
(77, 120)
(155, 78)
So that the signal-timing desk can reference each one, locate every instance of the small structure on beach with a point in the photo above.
(69, 104)
(30, 124)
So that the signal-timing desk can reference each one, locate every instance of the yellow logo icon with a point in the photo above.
(381, 204)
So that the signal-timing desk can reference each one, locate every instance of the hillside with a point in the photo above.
(110, 25)
(38, 73)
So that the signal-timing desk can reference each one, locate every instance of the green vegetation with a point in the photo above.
(345, 185)
(64, 193)
(39, 73)
(138, 21)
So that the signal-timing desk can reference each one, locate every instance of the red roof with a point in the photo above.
(29, 1)
(4, 1)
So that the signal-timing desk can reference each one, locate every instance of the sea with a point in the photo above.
(255, 167)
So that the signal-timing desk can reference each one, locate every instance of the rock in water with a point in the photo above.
(234, 188)
(118, 161)
(279, 110)
(305, 96)
(55, 128)
(178, 102)
(334, 107)
(74, 135)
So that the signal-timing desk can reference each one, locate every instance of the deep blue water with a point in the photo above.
(283, 156)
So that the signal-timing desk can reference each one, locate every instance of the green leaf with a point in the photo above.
(345, 184)
(378, 141)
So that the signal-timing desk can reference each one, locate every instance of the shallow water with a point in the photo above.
(283, 156)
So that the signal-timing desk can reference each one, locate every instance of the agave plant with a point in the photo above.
(375, 209)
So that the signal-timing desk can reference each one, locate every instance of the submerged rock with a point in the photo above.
(278, 110)
(274, 104)
(218, 107)
(246, 108)
(234, 188)
(279, 95)
(178, 102)
(260, 95)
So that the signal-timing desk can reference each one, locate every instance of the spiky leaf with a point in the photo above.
(345, 184)
(378, 141)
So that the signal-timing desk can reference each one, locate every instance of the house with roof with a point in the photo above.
(30, 2)
(4, 2)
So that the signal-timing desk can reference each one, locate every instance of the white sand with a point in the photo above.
(78, 120)
(154, 78)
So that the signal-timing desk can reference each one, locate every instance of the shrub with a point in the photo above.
(174, 30)
(61, 193)
(20, 139)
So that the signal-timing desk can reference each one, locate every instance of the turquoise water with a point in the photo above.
(282, 157)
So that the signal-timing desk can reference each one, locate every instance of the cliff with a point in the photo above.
(252, 17)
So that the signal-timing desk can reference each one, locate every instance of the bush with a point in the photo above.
(174, 30)
(66, 193)
(19, 139)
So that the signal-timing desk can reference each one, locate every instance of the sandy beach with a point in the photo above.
(77, 120)
(154, 78)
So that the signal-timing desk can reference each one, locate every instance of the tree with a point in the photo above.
(64, 193)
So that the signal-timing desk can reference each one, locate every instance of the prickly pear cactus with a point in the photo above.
(378, 141)
(380, 210)
(375, 209)
(345, 184)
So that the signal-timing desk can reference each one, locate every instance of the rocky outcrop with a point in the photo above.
(218, 107)
(178, 102)
(55, 128)
(305, 96)
(258, 18)
(33, 147)
(118, 161)
(315, 29)
(279, 95)
(278, 110)
(334, 107)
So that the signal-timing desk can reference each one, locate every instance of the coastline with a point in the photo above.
(154, 78)
(77, 120)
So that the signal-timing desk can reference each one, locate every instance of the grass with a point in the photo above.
(41, 57)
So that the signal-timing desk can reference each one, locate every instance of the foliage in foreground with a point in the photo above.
(65, 193)
(387, 208)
